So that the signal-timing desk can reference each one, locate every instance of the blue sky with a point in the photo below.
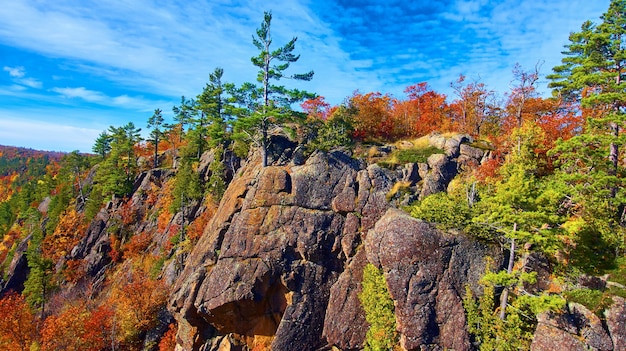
(71, 68)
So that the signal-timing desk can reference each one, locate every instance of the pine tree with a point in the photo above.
(102, 145)
(270, 103)
(216, 107)
(592, 74)
(38, 284)
(117, 173)
(155, 122)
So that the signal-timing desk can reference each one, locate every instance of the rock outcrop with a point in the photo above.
(280, 264)
(575, 329)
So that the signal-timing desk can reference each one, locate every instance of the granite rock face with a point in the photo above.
(280, 264)
(264, 268)
(576, 328)
(426, 272)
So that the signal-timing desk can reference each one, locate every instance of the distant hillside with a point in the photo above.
(18, 159)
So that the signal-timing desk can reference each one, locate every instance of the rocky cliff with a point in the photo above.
(280, 264)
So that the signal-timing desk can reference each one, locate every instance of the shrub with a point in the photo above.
(379, 311)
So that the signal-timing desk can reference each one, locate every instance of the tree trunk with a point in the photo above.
(156, 152)
(509, 270)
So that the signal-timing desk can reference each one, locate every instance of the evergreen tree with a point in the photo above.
(102, 145)
(38, 284)
(155, 122)
(216, 185)
(592, 74)
(117, 173)
(521, 208)
(216, 108)
(184, 113)
(76, 164)
(270, 103)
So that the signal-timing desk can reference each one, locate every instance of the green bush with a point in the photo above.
(379, 311)
(441, 209)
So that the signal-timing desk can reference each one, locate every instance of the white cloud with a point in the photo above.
(30, 82)
(15, 72)
(18, 74)
(46, 136)
(81, 93)
(124, 101)
(168, 48)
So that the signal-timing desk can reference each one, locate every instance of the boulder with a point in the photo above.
(426, 272)
(577, 328)
(442, 170)
(616, 322)
(471, 152)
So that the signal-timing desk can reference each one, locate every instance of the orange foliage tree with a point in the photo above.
(77, 328)
(373, 118)
(168, 341)
(474, 111)
(66, 235)
(317, 108)
(17, 323)
(425, 111)
(138, 301)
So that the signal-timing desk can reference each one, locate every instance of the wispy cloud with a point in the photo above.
(18, 76)
(45, 135)
(15, 72)
(97, 97)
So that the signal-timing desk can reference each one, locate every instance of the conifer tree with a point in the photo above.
(592, 74)
(38, 284)
(117, 173)
(184, 113)
(155, 122)
(102, 144)
(216, 107)
(270, 103)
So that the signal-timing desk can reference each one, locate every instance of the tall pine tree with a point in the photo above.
(592, 74)
(271, 103)
(156, 122)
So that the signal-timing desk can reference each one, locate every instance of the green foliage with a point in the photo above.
(216, 108)
(38, 283)
(102, 144)
(269, 104)
(442, 209)
(520, 206)
(117, 173)
(515, 332)
(157, 267)
(334, 132)
(379, 311)
(58, 204)
(187, 186)
(216, 186)
(412, 155)
(156, 122)
(595, 300)
(184, 113)
(94, 202)
(589, 164)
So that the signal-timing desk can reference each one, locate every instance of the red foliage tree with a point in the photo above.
(77, 328)
(317, 108)
(17, 323)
